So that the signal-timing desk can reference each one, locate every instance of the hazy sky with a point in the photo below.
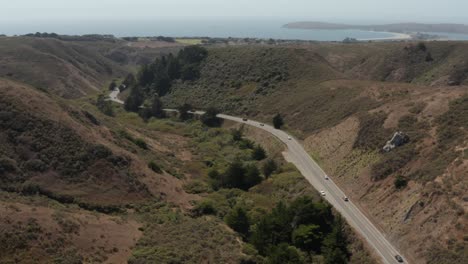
(329, 10)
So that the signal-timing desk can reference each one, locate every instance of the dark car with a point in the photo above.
(346, 199)
(399, 258)
(244, 119)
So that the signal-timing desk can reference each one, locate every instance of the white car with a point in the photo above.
(322, 193)
(326, 177)
(289, 138)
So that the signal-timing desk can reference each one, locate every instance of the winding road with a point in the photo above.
(297, 155)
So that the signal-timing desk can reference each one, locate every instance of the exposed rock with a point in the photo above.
(398, 139)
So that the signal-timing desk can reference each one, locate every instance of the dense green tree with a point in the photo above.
(104, 106)
(134, 100)
(233, 177)
(306, 211)
(173, 67)
(307, 237)
(210, 118)
(192, 54)
(278, 121)
(258, 153)
(252, 176)
(157, 108)
(184, 112)
(285, 254)
(161, 82)
(281, 223)
(145, 75)
(269, 167)
(334, 249)
(261, 236)
(190, 72)
(129, 80)
(238, 220)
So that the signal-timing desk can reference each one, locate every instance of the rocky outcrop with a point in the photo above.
(398, 139)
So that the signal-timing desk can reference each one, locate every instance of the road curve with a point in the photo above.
(297, 155)
(333, 194)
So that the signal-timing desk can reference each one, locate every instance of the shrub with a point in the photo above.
(7, 165)
(196, 187)
(258, 153)
(35, 165)
(205, 207)
(154, 167)
(140, 143)
(99, 152)
(400, 182)
(278, 121)
(269, 167)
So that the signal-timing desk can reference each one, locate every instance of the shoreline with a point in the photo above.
(396, 36)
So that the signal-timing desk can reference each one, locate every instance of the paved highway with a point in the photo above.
(317, 177)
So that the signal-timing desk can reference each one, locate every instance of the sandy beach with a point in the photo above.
(396, 36)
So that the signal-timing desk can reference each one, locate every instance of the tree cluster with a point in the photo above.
(104, 106)
(237, 175)
(293, 233)
(157, 77)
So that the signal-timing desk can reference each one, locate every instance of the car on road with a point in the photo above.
(399, 258)
(289, 138)
(346, 199)
(261, 124)
(244, 119)
(322, 193)
(326, 177)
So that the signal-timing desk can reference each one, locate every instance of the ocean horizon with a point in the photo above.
(262, 29)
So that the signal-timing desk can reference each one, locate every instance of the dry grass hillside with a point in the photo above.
(73, 181)
(345, 101)
(75, 68)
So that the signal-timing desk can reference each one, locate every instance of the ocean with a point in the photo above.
(264, 29)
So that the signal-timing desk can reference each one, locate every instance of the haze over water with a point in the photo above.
(264, 29)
